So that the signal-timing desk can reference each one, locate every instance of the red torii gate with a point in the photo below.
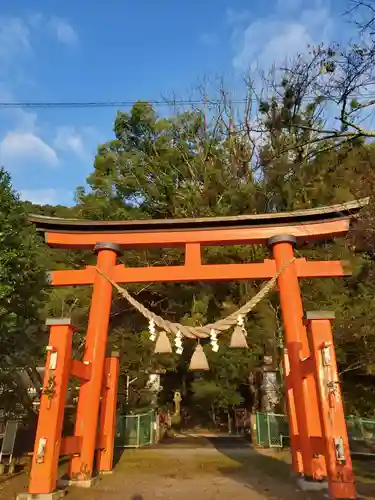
(319, 448)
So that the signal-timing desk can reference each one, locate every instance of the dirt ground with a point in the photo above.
(195, 469)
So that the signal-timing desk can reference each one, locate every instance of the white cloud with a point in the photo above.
(69, 139)
(47, 196)
(63, 31)
(14, 38)
(13, 115)
(17, 117)
(22, 142)
(16, 34)
(283, 41)
(273, 39)
(81, 141)
(19, 147)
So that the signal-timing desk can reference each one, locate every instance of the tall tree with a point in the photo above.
(22, 282)
(175, 167)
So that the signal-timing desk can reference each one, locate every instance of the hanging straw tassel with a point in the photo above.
(238, 339)
(163, 344)
(198, 362)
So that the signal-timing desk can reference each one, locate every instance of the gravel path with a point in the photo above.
(196, 469)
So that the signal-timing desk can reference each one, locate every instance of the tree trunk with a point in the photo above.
(213, 414)
(229, 422)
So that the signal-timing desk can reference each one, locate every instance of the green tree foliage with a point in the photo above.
(333, 173)
(22, 293)
(168, 168)
(22, 276)
(158, 168)
(223, 387)
(214, 397)
(179, 167)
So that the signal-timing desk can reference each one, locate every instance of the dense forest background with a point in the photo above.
(301, 137)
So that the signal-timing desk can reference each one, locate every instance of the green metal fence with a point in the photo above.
(361, 432)
(134, 431)
(273, 432)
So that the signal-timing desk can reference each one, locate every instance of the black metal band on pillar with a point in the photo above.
(281, 238)
(107, 246)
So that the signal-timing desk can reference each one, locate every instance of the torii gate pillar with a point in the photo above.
(302, 399)
(341, 481)
(81, 466)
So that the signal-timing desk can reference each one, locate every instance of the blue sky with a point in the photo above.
(54, 50)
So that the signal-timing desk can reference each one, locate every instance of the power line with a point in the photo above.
(129, 103)
(110, 104)
(154, 102)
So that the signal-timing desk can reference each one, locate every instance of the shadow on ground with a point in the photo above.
(271, 474)
(233, 458)
(220, 468)
(264, 474)
(117, 457)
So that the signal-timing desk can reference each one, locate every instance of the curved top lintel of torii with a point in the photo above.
(312, 223)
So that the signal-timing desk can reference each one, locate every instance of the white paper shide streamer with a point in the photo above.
(178, 343)
(213, 340)
(152, 330)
